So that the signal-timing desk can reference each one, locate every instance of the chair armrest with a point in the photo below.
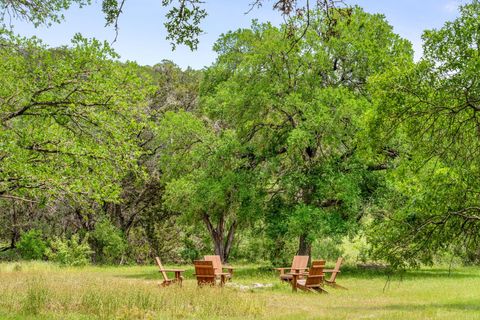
(331, 270)
(282, 270)
(301, 270)
(172, 270)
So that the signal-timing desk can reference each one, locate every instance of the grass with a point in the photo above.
(44, 291)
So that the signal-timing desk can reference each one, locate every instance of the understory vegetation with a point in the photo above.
(321, 136)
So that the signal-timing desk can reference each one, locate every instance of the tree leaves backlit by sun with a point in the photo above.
(183, 19)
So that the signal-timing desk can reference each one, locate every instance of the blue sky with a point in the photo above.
(142, 35)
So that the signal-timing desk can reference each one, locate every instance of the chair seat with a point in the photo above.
(227, 276)
(286, 277)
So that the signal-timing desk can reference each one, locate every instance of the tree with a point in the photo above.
(428, 112)
(69, 119)
(296, 98)
(206, 180)
(141, 208)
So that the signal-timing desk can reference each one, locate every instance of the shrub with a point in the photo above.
(327, 248)
(10, 255)
(108, 242)
(189, 252)
(69, 252)
(139, 248)
(31, 245)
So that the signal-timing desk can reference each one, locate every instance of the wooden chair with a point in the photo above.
(205, 273)
(334, 272)
(299, 264)
(166, 281)
(313, 280)
(217, 265)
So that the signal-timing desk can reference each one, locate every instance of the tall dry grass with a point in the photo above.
(45, 291)
(42, 289)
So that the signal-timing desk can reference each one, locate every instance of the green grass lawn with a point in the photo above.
(45, 291)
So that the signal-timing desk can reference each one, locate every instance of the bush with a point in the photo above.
(139, 248)
(108, 242)
(327, 248)
(189, 252)
(69, 252)
(31, 245)
(10, 255)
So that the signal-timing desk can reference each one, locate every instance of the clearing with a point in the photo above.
(34, 290)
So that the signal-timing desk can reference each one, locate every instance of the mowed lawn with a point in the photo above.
(45, 291)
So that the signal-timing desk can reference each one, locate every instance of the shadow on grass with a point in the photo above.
(154, 275)
(469, 305)
(426, 273)
(465, 306)
(264, 272)
(443, 273)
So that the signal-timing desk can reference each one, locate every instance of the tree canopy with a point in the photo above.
(298, 111)
(320, 130)
(67, 127)
(428, 112)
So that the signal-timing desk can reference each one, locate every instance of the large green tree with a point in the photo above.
(296, 96)
(207, 180)
(69, 119)
(428, 112)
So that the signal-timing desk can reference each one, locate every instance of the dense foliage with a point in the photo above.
(298, 113)
(428, 112)
(310, 137)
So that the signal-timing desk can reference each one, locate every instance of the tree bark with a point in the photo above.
(304, 246)
(15, 232)
(229, 240)
(222, 242)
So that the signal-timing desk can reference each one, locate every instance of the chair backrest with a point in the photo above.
(336, 269)
(299, 262)
(318, 262)
(204, 272)
(315, 274)
(162, 270)
(217, 262)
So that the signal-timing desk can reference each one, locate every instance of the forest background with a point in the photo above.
(320, 136)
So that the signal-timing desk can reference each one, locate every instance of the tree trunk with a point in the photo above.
(304, 246)
(229, 240)
(222, 242)
(15, 232)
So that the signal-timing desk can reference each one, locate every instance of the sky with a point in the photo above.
(142, 35)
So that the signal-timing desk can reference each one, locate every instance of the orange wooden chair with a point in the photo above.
(313, 280)
(299, 264)
(217, 265)
(334, 272)
(166, 281)
(205, 273)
